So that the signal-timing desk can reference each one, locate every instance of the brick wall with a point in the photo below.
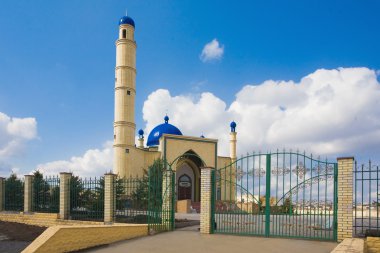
(345, 197)
(205, 221)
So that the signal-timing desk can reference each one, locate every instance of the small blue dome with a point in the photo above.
(233, 126)
(141, 132)
(158, 131)
(127, 21)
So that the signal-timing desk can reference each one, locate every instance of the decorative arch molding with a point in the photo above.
(174, 147)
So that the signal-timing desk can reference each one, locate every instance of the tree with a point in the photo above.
(87, 198)
(14, 193)
(76, 192)
(45, 193)
(137, 193)
(287, 206)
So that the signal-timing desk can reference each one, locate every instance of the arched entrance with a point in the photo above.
(188, 175)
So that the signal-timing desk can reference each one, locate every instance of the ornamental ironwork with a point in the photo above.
(300, 170)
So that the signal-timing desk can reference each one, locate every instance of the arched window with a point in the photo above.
(124, 33)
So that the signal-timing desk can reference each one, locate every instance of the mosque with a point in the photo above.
(188, 154)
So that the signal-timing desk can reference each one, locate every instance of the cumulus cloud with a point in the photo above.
(94, 162)
(14, 134)
(328, 112)
(212, 51)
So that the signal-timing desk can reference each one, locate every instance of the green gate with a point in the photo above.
(281, 194)
(161, 197)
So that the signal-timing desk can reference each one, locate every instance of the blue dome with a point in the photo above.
(141, 132)
(158, 131)
(127, 21)
(233, 126)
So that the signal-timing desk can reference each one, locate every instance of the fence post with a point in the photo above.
(345, 197)
(206, 200)
(109, 198)
(28, 193)
(64, 195)
(2, 193)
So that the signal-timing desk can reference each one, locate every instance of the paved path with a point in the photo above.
(189, 240)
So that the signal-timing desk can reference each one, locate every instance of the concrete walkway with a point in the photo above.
(189, 240)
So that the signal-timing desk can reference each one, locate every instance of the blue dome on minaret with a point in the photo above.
(233, 126)
(158, 131)
(126, 20)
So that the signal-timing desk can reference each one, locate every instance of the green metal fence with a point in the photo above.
(45, 194)
(14, 194)
(131, 199)
(281, 194)
(87, 198)
(161, 197)
(366, 204)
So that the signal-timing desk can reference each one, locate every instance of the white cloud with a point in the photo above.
(94, 162)
(14, 134)
(212, 51)
(329, 112)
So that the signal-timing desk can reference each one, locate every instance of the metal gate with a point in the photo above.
(281, 194)
(161, 197)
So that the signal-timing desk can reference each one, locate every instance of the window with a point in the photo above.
(127, 150)
(128, 92)
(114, 136)
(124, 34)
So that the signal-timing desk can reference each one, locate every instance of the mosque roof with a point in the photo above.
(158, 131)
(126, 20)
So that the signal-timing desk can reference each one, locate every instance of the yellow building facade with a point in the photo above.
(186, 154)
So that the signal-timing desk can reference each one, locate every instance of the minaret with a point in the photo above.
(141, 139)
(125, 92)
(233, 141)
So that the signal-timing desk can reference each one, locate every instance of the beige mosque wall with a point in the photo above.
(177, 145)
(223, 161)
(227, 178)
(139, 159)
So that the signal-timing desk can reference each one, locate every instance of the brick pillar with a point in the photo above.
(28, 193)
(2, 193)
(109, 198)
(168, 190)
(206, 200)
(64, 195)
(345, 197)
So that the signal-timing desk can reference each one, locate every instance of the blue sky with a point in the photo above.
(57, 58)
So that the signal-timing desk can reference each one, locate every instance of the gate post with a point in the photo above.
(109, 198)
(64, 195)
(168, 202)
(206, 200)
(28, 193)
(2, 193)
(345, 198)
